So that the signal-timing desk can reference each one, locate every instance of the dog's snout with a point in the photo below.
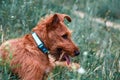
(76, 53)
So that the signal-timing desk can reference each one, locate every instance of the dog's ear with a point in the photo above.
(64, 16)
(55, 19)
(60, 17)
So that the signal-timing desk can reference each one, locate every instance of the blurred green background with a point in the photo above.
(99, 44)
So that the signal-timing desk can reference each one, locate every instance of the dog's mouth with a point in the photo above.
(64, 57)
(61, 55)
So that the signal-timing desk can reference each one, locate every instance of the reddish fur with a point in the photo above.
(27, 60)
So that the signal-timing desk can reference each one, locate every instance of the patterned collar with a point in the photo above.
(39, 43)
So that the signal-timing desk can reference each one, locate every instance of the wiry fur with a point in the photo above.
(27, 60)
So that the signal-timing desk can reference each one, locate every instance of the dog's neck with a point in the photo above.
(40, 43)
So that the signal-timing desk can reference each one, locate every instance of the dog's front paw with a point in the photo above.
(74, 66)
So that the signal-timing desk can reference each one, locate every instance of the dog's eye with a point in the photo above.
(65, 36)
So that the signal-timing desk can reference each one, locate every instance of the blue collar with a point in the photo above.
(39, 43)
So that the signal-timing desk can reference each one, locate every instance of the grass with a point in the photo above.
(99, 45)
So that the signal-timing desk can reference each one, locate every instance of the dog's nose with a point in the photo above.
(76, 53)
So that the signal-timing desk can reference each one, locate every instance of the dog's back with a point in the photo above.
(8, 47)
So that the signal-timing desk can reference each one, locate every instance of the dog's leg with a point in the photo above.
(71, 66)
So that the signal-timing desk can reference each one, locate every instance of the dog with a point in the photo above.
(29, 55)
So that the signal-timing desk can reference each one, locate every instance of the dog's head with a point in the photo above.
(57, 37)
